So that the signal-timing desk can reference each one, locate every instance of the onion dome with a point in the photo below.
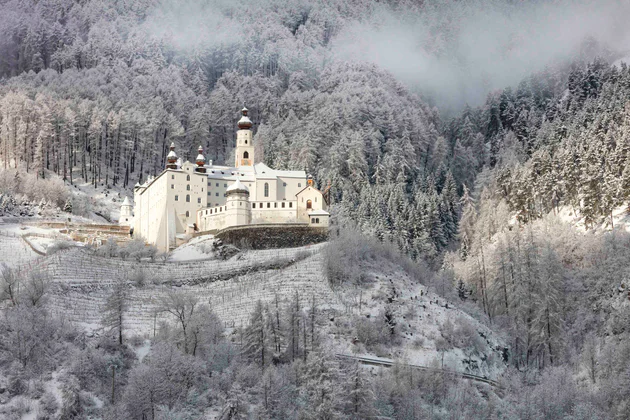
(201, 160)
(244, 123)
(171, 158)
(237, 187)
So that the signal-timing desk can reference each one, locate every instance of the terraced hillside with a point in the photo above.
(15, 252)
(81, 283)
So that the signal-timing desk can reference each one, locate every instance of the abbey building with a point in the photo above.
(202, 197)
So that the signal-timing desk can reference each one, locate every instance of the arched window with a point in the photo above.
(245, 155)
(187, 177)
(187, 214)
(188, 187)
(187, 198)
(309, 204)
(266, 188)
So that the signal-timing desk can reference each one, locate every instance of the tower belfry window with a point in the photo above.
(245, 155)
(187, 177)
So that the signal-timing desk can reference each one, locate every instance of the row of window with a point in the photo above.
(187, 187)
(188, 199)
(275, 205)
(217, 184)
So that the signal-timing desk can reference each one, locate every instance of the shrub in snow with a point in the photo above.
(138, 277)
(48, 406)
(58, 246)
(16, 384)
(36, 389)
(22, 406)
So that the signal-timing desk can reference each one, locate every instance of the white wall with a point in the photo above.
(317, 203)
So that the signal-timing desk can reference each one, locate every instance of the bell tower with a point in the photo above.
(244, 153)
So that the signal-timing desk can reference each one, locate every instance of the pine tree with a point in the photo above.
(115, 309)
(255, 337)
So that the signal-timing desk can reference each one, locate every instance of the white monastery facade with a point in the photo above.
(202, 197)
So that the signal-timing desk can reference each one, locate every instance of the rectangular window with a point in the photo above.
(275, 205)
(268, 205)
(253, 205)
(299, 184)
(290, 205)
(172, 176)
(217, 184)
(176, 198)
(172, 186)
(216, 194)
(283, 205)
(260, 205)
(199, 200)
(224, 185)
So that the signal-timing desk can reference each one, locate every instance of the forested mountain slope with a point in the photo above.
(559, 142)
(95, 92)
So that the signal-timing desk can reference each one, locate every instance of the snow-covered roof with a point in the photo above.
(319, 213)
(200, 158)
(126, 202)
(264, 171)
(171, 154)
(238, 186)
(244, 119)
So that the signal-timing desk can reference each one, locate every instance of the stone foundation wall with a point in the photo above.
(273, 235)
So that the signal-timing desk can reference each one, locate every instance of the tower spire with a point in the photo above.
(244, 153)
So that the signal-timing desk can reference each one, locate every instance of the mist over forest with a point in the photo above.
(478, 153)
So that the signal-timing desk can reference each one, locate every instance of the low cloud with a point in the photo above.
(460, 52)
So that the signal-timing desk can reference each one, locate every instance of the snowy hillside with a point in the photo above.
(82, 283)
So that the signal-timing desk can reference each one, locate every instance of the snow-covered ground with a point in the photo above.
(620, 219)
(199, 248)
(420, 315)
(232, 288)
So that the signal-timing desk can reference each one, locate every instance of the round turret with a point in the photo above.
(237, 188)
(244, 123)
